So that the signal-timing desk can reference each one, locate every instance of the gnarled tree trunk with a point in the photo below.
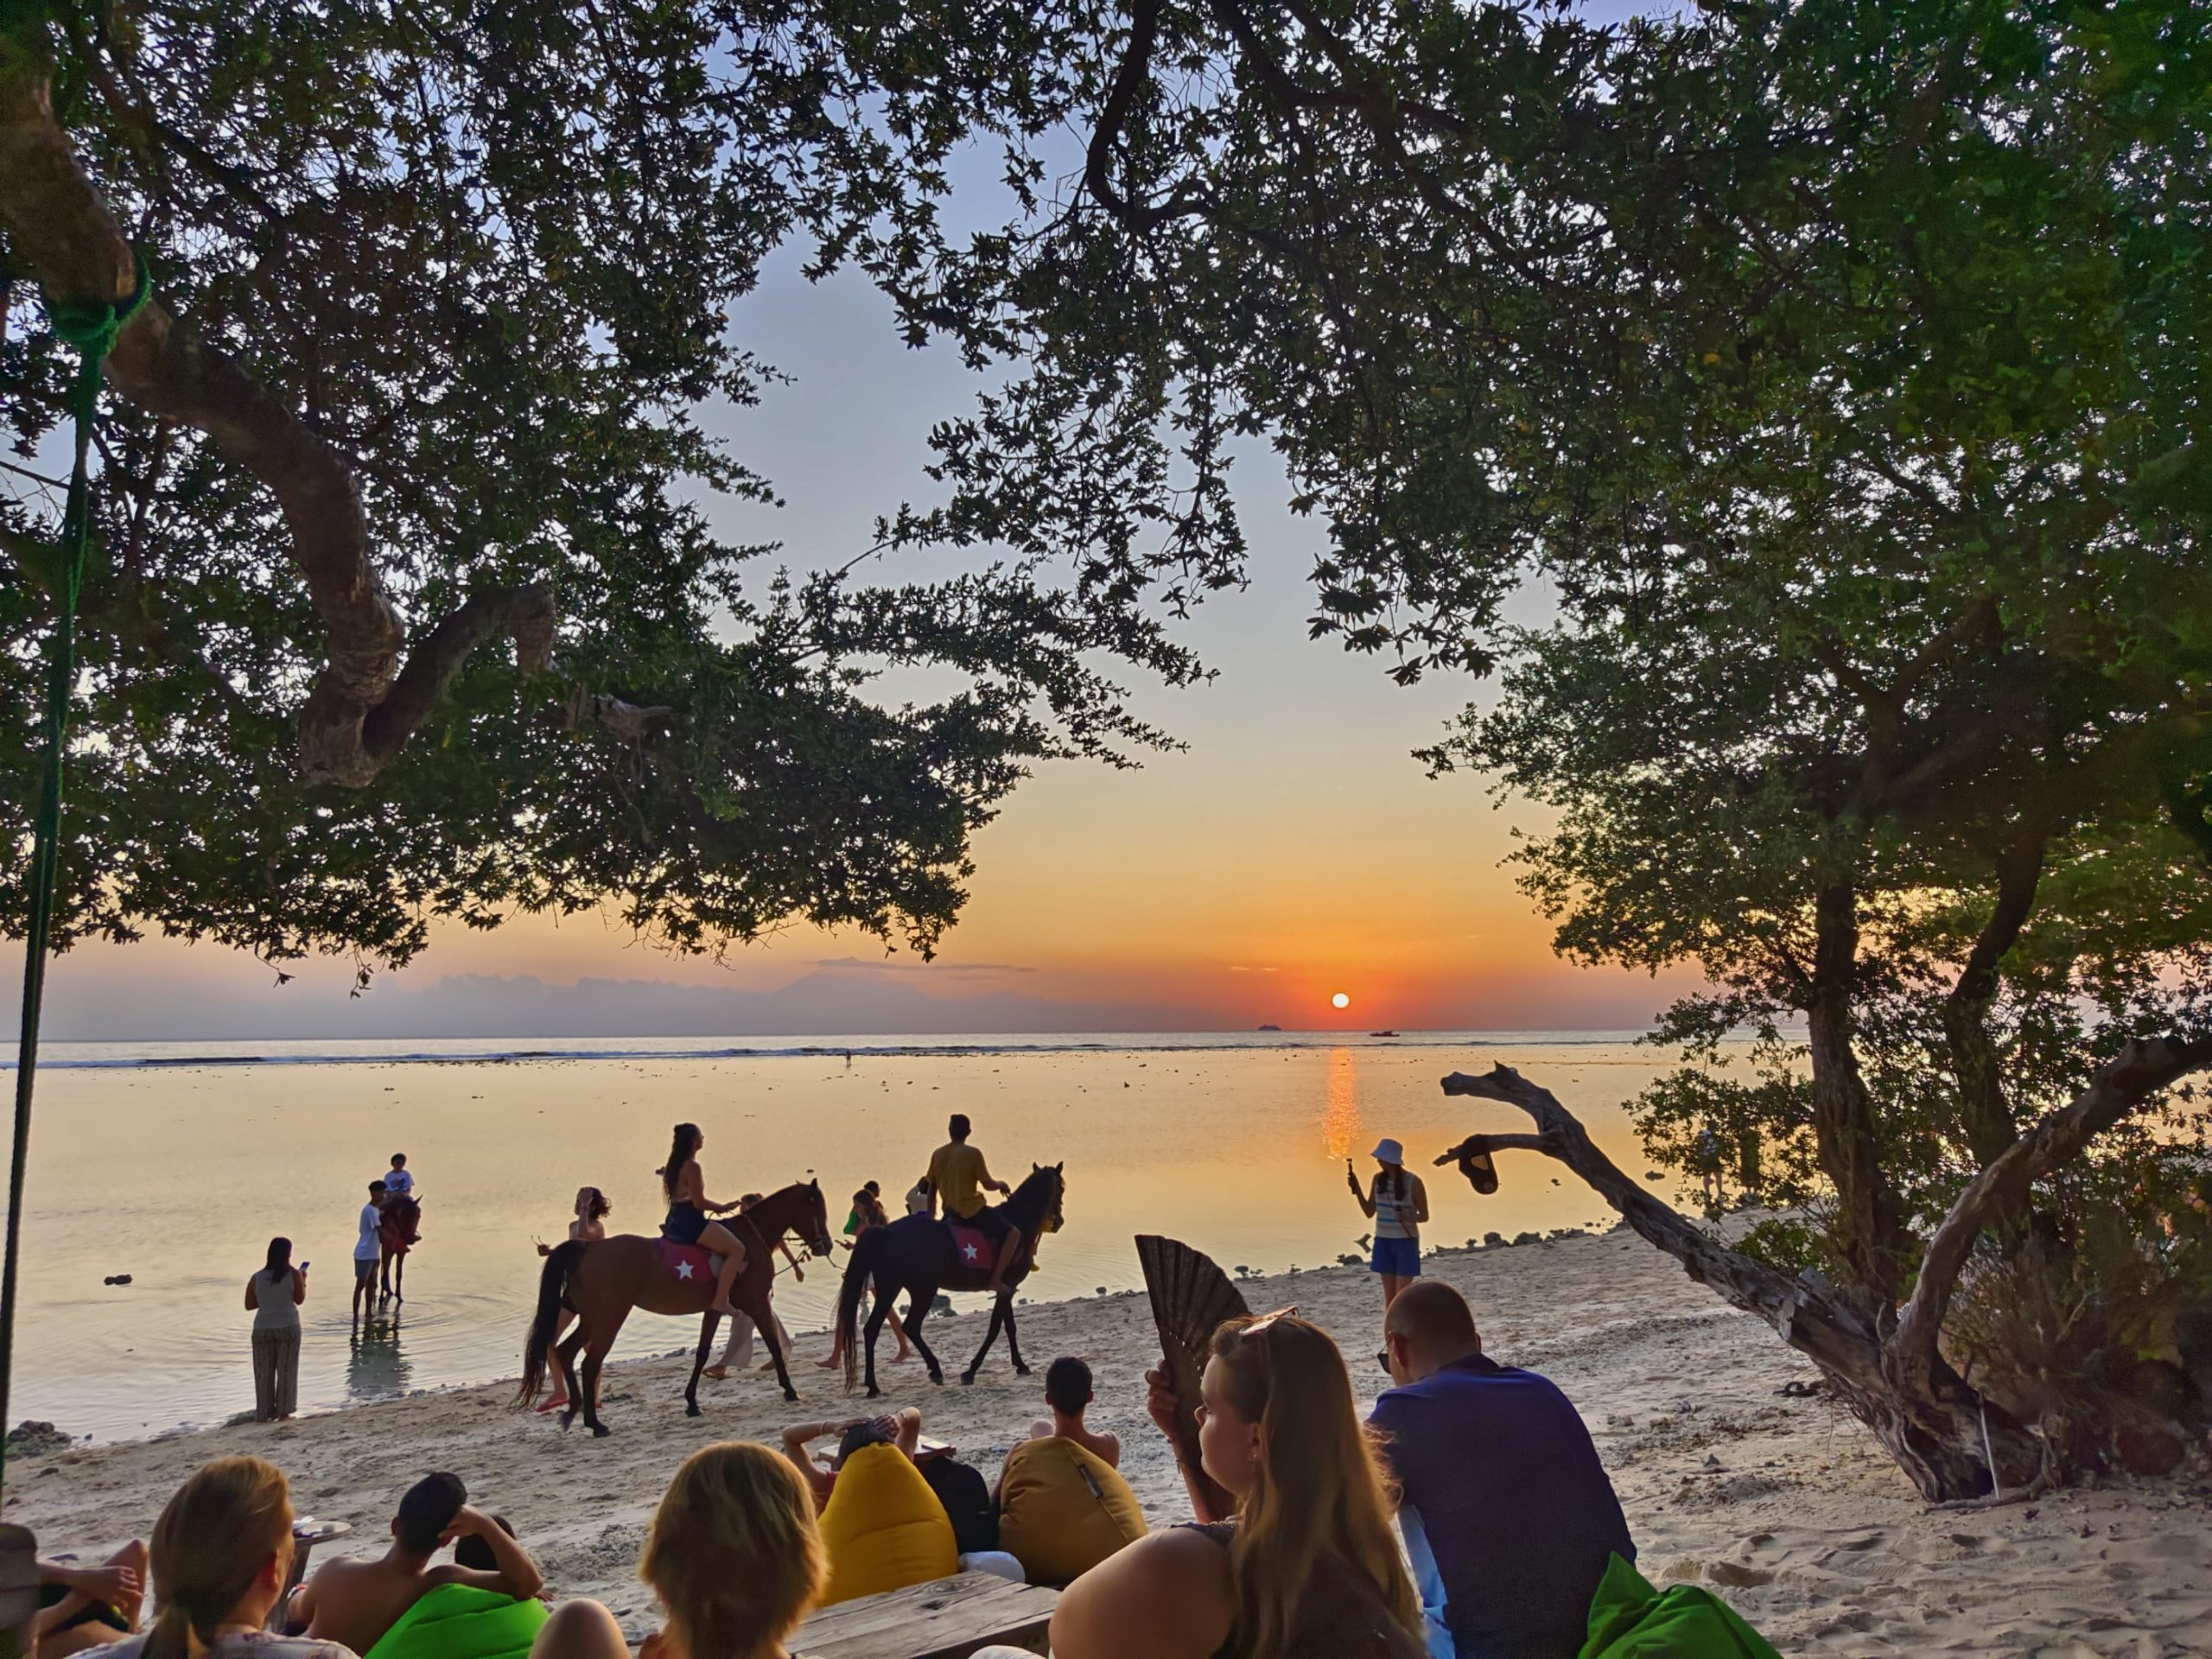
(1882, 1362)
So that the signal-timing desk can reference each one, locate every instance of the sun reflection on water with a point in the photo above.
(1340, 1116)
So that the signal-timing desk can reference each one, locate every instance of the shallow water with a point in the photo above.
(176, 1164)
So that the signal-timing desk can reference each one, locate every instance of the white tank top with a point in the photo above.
(1394, 1215)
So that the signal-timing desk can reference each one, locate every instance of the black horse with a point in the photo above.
(916, 1254)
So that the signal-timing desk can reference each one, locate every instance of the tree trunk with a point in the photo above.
(1870, 1234)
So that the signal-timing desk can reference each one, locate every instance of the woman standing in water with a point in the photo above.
(273, 1297)
(1398, 1202)
(589, 1228)
(688, 1204)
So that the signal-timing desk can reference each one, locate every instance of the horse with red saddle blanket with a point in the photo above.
(601, 1281)
(922, 1255)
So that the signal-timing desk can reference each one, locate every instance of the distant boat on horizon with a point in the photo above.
(1382, 1033)
(1271, 1027)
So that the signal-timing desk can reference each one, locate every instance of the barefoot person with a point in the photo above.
(959, 1177)
(737, 1352)
(688, 1204)
(869, 1214)
(367, 1249)
(1398, 1204)
(273, 1297)
(353, 1602)
(82, 1607)
(588, 1227)
(1306, 1567)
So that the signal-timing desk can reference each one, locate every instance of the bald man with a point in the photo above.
(1508, 1515)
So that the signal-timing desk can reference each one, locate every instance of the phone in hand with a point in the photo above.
(303, 1267)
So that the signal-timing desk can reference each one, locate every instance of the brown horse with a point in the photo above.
(601, 1283)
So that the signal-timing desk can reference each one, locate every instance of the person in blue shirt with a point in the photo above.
(1509, 1518)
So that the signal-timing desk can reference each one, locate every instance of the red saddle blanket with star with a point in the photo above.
(686, 1263)
(975, 1249)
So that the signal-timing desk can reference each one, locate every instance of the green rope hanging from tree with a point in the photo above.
(92, 328)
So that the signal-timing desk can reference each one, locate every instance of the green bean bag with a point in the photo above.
(1629, 1619)
(458, 1621)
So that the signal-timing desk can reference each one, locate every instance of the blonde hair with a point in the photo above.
(1317, 1489)
(734, 1553)
(213, 1539)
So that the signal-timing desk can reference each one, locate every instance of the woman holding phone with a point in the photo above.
(273, 1296)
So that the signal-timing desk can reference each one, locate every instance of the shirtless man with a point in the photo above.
(1067, 1392)
(353, 1602)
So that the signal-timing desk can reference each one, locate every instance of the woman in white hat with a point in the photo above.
(1398, 1204)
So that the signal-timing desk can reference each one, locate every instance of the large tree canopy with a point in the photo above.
(1836, 368)
(439, 293)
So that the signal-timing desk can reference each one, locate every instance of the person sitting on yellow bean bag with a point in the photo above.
(884, 1528)
(1063, 1509)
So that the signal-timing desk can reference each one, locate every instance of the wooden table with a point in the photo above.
(945, 1618)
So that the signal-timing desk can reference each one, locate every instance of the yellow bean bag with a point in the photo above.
(884, 1528)
(1062, 1511)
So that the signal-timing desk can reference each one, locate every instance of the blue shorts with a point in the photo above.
(1400, 1257)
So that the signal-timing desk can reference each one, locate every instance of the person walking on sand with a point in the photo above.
(368, 1249)
(868, 1211)
(688, 1204)
(589, 1227)
(1398, 1204)
(273, 1297)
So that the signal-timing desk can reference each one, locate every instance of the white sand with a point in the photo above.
(1788, 1506)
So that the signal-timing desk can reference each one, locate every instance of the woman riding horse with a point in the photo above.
(601, 1282)
(917, 1254)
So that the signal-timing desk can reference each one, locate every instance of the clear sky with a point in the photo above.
(1293, 850)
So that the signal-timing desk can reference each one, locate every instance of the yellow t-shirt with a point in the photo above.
(956, 1175)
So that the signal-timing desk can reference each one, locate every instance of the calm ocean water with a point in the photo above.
(175, 1163)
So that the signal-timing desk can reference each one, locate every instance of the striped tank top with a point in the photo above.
(1394, 1215)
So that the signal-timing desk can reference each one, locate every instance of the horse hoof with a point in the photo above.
(601, 1430)
(567, 1419)
(967, 1379)
(789, 1395)
(691, 1408)
(1022, 1370)
(938, 1378)
(874, 1393)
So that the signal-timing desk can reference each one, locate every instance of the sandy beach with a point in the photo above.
(1784, 1504)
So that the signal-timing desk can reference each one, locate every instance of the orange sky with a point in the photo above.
(1293, 849)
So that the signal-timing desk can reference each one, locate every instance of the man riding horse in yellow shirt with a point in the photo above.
(959, 1177)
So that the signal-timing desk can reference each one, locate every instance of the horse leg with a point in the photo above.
(708, 1326)
(596, 1357)
(875, 1317)
(917, 1309)
(776, 1352)
(998, 1317)
(565, 1354)
(1013, 1345)
(399, 1277)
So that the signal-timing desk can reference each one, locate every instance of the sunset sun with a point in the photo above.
(1340, 1001)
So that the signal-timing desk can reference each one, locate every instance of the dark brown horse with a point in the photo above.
(917, 1255)
(601, 1283)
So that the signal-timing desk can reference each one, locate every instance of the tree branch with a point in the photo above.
(2131, 1078)
(1801, 1311)
(365, 705)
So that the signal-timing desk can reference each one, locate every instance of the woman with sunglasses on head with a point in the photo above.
(1307, 1566)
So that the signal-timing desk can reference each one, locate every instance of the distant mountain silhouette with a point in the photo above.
(825, 1003)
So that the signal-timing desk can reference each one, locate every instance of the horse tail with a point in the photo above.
(552, 1285)
(868, 1250)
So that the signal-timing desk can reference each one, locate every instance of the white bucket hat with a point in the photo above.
(1389, 1152)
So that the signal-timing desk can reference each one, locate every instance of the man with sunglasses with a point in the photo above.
(1508, 1516)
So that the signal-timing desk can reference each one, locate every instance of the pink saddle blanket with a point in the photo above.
(973, 1247)
(689, 1264)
